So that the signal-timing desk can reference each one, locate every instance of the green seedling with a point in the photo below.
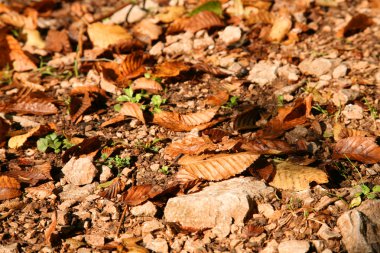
(232, 102)
(364, 193)
(53, 141)
(156, 102)
(130, 96)
(149, 76)
(150, 146)
(117, 162)
(164, 169)
(280, 100)
(320, 109)
(213, 6)
(372, 110)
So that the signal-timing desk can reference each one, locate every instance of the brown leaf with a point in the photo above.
(203, 20)
(251, 230)
(340, 132)
(86, 103)
(140, 193)
(132, 110)
(42, 191)
(209, 69)
(357, 24)
(86, 147)
(115, 188)
(363, 149)
(114, 120)
(296, 177)
(19, 140)
(9, 188)
(105, 35)
(170, 68)
(150, 85)
(28, 105)
(33, 175)
(147, 31)
(247, 120)
(185, 122)
(21, 62)
(267, 147)
(58, 41)
(190, 145)
(217, 167)
(219, 98)
(4, 128)
(216, 135)
(50, 230)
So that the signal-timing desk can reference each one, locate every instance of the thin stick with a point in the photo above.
(121, 220)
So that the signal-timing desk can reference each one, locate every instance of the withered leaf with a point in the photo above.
(115, 188)
(216, 135)
(114, 120)
(58, 41)
(86, 147)
(268, 147)
(357, 24)
(217, 167)
(247, 120)
(252, 230)
(219, 98)
(170, 68)
(33, 175)
(9, 188)
(19, 140)
(297, 177)
(105, 35)
(363, 149)
(42, 191)
(190, 145)
(21, 62)
(132, 110)
(207, 68)
(150, 85)
(49, 231)
(86, 103)
(35, 106)
(341, 132)
(203, 20)
(140, 193)
(4, 128)
(147, 31)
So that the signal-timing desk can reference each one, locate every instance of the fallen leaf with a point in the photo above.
(138, 194)
(296, 177)
(33, 175)
(42, 191)
(202, 20)
(105, 35)
(50, 230)
(363, 149)
(9, 188)
(247, 120)
(113, 189)
(216, 135)
(170, 68)
(219, 98)
(85, 104)
(19, 140)
(29, 105)
(131, 245)
(170, 13)
(20, 61)
(190, 145)
(4, 128)
(133, 110)
(341, 132)
(267, 147)
(147, 31)
(212, 6)
(251, 230)
(85, 148)
(207, 68)
(357, 24)
(150, 85)
(114, 120)
(58, 41)
(217, 167)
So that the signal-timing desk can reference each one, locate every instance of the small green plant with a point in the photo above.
(149, 146)
(130, 96)
(164, 169)
(320, 109)
(149, 76)
(53, 141)
(117, 162)
(280, 100)
(156, 102)
(364, 193)
(232, 102)
(372, 110)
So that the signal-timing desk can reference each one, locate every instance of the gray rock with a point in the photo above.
(230, 34)
(79, 171)
(340, 71)
(294, 246)
(147, 209)
(353, 112)
(326, 233)
(360, 228)
(263, 73)
(315, 67)
(218, 205)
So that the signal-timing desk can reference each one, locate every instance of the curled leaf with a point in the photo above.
(247, 120)
(190, 145)
(113, 189)
(140, 193)
(149, 85)
(363, 149)
(132, 110)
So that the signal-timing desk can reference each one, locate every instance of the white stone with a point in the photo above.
(340, 71)
(289, 72)
(79, 171)
(75, 193)
(158, 245)
(230, 34)
(315, 67)
(147, 209)
(106, 174)
(217, 205)
(202, 43)
(179, 48)
(263, 73)
(294, 246)
(353, 112)
(266, 209)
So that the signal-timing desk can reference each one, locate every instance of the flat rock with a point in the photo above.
(73, 192)
(217, 205)
(327, 234)
(79, 171)
(147, 209)
(353, 112)
(150, 226)
(263, 73)
(316, 67)
(360, 228)
(10, 248)
(289, 72)
(340, 71)
(230, 34)
(158, 245)
(294, 246)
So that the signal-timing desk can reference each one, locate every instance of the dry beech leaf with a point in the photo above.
(357, 24)
(138, 194)
(247, 120)
(105, 35)
(86, 148)
(28, 105)
(114, 120)
(169, 14)
(58, 41)
(21, 62)
(185, 122)
(33, 175)
(86, 103)
(200, 21)
(147, 31)
(296, 177)
(170, 68)
(252, 230)
(340, 132)
(50, 230)
(150, 85)
(19, 140)
(183, 176)
(217, 167)
(219, 98)
(9, 188)
(207, 68)
(115, 188)
(42, 191)
(363, 149)
(261, 17)
(267, 147)
(216, 135)
(4, 128)
(131, 245)
(132, 110)
(190, 145)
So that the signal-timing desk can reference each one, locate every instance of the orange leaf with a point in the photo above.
(363, 149)
(4, 128)
(21, 62)
(9, 188)
(170, 69)
(132, 110)
(217, 167)
(218, 99)
(268, 147)
(115, 188)
(357, 24)
(340, 132)
(151, 86)
(28, 105)
(114, 120)
(140, 193)
(203, 20)
(216, 135)
(49, 231)
(247, 120)
(190, 145)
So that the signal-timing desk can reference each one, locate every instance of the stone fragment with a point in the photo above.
(230, 34)
(106, 174)
(289, 72)
(217, 206)
(73, 192)
(315, 67)
(147, 209)
(184, 46)
(135, 15)
(94, 240)
(158, 245)
(353, 112)
(326, 233)
(263, 73)
(79, 171)
(156, 50)
(266, 209)
(340, 71)
(150, 226)
(9, 248)
(343, 96)
(271, 247)
(294, 246)
(319, 245)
